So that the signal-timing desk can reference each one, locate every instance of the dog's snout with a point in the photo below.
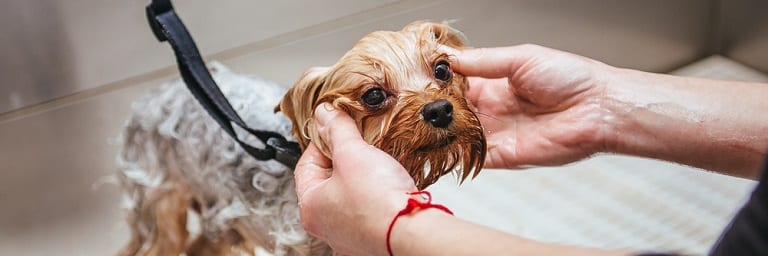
(438, 113)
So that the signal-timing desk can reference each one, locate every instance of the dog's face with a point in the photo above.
(404, 97)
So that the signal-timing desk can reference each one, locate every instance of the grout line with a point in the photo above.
(316, 30)
(85, 94)
(326, 27)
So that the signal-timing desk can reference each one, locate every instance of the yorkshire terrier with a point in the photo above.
(191, 190)
(404, 97)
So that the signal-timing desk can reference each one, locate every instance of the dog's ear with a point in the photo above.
(442, 33)
(299, 102)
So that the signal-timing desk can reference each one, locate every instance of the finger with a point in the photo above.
(473, 94)
(478, 84)
(312, 169)
(336, 128)
(493, 62)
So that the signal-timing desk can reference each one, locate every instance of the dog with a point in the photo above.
(190, 189)
(404, 97)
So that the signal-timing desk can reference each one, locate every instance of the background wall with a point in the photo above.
(70, 70)
(743, 32)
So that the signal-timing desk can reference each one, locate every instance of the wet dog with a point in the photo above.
(190, 189)
(406, 100)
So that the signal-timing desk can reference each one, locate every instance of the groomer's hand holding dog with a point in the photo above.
(540, 106)
(350, 207)
(537, 106)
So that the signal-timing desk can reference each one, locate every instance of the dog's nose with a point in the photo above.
(438, 113)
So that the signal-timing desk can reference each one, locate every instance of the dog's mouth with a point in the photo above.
(438, 145)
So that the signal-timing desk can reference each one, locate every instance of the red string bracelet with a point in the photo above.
(411, 206)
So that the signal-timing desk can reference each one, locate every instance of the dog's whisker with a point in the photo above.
(487, 115)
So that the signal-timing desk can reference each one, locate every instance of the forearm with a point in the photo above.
(715, 125)
(433, 232)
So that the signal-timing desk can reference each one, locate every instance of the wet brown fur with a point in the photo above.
(402, 64)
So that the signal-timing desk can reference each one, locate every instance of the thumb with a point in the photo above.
(336, 128)
(312, 170)
(498, 62)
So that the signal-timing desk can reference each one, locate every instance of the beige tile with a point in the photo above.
(53, 165)
(719, 67)
(55, 48)
(617, 33)
(743, 27)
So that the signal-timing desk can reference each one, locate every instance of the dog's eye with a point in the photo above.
(443, 71)
(374, 97)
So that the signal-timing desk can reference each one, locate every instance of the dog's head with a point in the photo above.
(404, 97)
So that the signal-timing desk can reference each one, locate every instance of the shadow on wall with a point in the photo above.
(35, 54)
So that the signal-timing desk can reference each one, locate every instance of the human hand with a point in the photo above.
(538, 106)
(349, 200)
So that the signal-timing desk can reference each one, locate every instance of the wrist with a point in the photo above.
(410, 232)
(611, 105)
(378, 225)
(697, 122)
(419, 204)
(628, 95)
(618, 107)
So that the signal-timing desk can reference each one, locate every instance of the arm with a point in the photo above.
(351, 208)
(433, 232)
(720, 126)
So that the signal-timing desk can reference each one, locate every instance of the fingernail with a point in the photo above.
(323, 113)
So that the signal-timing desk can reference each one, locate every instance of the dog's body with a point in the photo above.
(177, 163)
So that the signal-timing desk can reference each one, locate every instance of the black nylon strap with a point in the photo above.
(167, 26)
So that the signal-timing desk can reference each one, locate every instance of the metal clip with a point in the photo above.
(286, 152)
(154, 9)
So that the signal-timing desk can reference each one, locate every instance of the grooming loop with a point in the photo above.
(167, 26)
(411, 206)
